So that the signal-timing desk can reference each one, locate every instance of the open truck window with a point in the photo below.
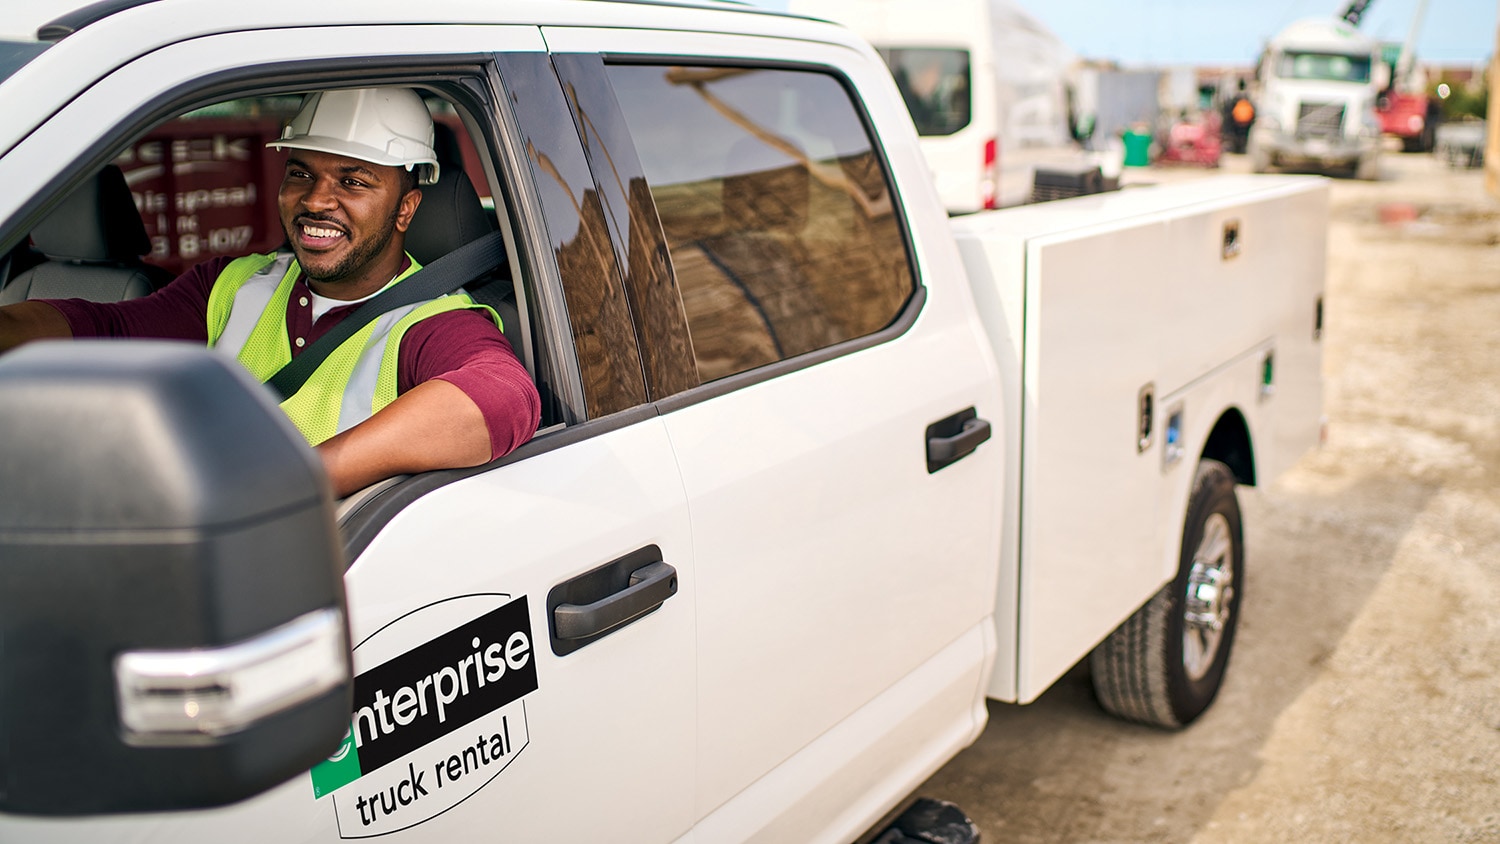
(205, 184)
(202, 185)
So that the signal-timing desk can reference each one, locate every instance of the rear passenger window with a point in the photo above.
(777, 212)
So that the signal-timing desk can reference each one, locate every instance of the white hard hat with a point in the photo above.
(389, 126)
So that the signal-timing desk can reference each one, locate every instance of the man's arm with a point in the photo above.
(27, 321)
(434, 425)
(463, 399)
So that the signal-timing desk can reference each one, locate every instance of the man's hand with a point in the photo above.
(434, 425)
(26, 321)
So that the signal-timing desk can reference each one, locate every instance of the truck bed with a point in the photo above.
(1182, 290)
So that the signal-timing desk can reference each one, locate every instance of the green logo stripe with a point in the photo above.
(338, 770)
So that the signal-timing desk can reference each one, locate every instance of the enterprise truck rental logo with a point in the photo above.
(448, 713)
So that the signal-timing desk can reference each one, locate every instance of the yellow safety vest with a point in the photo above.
(247, 318)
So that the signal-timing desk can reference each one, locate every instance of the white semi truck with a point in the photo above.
(1318, 83)
(820, 471)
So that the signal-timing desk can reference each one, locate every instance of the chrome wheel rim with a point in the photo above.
(1209, 598)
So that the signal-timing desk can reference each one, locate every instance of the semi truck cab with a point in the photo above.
(1319, 81)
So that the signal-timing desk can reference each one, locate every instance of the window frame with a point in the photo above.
(472, 83)
(567, 164)
(641, 249)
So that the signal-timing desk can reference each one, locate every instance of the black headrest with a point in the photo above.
(450, 216)
(450, 152)
(97, 222)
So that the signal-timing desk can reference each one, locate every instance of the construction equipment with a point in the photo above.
(1406, 109)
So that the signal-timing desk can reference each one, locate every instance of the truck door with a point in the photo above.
(496, 699)
(835, 562)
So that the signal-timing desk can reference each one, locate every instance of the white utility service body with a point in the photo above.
(867, 537)
(1088, 302)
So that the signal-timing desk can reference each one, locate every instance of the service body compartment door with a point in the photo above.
(835, 563)
(1111, 311)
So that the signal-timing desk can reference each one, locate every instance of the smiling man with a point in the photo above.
(430, 386)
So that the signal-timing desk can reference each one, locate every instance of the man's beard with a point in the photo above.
(359, 255)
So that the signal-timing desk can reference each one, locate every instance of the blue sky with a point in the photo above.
(1232, 31)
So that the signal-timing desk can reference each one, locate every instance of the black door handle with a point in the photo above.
(598, 602)
(951, 440)
(649, 587)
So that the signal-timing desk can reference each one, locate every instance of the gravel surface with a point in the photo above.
(1363, 700)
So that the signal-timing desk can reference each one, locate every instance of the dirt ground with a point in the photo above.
(1363, 699)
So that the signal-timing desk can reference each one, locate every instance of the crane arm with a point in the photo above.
(1408, 49)
(1355, 10)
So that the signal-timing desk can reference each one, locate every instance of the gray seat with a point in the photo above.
(450, 216)
(93, 243)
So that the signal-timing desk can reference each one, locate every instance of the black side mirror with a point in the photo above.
(172, 626)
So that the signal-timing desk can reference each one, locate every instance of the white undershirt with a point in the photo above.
(322, 304)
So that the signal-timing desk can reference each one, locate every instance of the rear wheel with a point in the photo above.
(1165, 664)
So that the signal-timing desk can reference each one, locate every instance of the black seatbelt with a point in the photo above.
(444, 275)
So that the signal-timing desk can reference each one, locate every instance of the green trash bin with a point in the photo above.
(1137, 149)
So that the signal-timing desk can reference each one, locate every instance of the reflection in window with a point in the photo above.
(776, 210)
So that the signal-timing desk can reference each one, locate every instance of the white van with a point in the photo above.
(977, 76)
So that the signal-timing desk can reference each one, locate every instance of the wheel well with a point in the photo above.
(1229, 443)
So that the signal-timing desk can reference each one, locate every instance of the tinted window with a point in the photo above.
(777, 213)
(935, 85)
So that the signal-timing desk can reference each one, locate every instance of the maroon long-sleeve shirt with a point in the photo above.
(462, 347)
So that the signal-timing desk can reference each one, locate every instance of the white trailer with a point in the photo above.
(982, 79)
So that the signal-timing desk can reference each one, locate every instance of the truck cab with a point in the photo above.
(1319, 80)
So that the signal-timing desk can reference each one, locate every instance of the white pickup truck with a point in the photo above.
(820, 469)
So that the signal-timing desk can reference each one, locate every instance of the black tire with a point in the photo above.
(1159, 668)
